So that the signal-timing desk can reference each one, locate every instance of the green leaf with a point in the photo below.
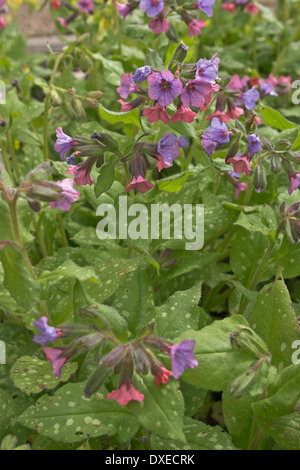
(263, 221)
(162, 410)
(31, 375)
(113, 117)
(199, 436)
(274, 119)
(68, 416)
(153, 60)
(285, 430)
(179, 313)
(274, 320)
(106, 177)
(218, 363)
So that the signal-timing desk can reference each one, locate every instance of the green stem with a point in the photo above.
(13, 156)
(261, 267)
(64, 240)
(7, 164)
(257, 439)
(14, 218)
(48, 105)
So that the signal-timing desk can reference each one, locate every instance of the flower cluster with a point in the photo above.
(158, 11)
(125, 360)
(3, 11)
(191, 86)
(240, 5)
(84, 7)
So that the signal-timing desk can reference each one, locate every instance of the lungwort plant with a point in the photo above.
(150, 225)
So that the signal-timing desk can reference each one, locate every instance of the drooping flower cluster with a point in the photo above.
(126, 360)
(158, 11)
(240, 5)
(189, 87)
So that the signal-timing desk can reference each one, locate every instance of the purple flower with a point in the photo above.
(208, 69)
(196, 93)
(163, 87)
(206, 6)
(254, 143)
(152, 7)
(68, 193)
(64, 143)
(250, 98)
(267, 88)
(141, 74)
(183, 142)
(217, 131)
(168, 148)
(208, 145)
(48, 334)
(294, 182)
(182, 357)
(86, 6)
(71, 159)
(124, 9)
(127, 86)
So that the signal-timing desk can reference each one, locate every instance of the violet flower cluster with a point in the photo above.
(125, 360)
(158, 11)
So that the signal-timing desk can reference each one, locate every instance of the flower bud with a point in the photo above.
(69, 110)
(55, 98)
(188, 71)
(245, 340)
(284, 145)
(96, 380)
(172, 33)
(266, 144)
(259, 178)
(95, 95)
(180, 54)
(78, 108)
(233, 149)
(275, 163)
(94, 318)
(105, 139)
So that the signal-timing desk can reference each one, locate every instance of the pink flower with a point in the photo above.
(223, 117)
(124, 395)
(197, 93)
(68, 195)
(252, 9)
(124, 9)
(52, 355)
(3, 23)
(238, 188)
(185, 114)
(140, 184)
(240, 164)
(161, 164)
(157, 113)
(237, 84)
(229, 7)
(63, 22)
(82, 175)
(234, 112)
(159, 25)
(127, 85)
(195, 27)
(294, 182)
(161, 375)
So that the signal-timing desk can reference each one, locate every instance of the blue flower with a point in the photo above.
(250, 98)
(254, 143)
(182, 357)
(141, 74)
(152, 7)
(168, 148)
(206, 6)
(48, 334)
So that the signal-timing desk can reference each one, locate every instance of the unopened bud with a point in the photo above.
(246, 341)
(188, 71)
(105, 139)
(78, 108)
(55, 98)
(284, 145)
(275, 163)
(96, 380)
(266, 144)
(233, 149)
(180, 54)
(259, 178)
(172, 33)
